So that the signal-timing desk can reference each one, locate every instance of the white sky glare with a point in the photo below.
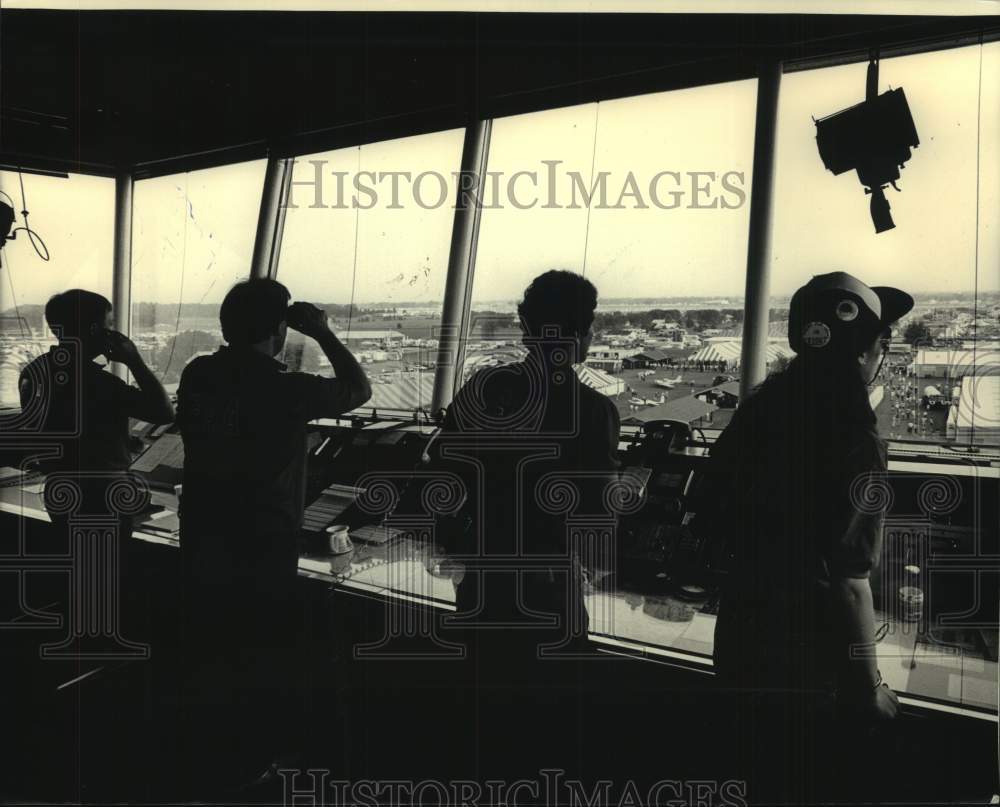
(193, 233)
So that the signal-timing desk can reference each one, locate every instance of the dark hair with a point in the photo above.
(253, 310)
(558, 299)
(71, 314)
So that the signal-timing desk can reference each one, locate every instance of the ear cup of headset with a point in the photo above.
(830, 320)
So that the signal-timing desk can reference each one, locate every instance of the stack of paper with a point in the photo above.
(327, 508)
(164, 522)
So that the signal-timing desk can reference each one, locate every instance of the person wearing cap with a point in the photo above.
(791, 485)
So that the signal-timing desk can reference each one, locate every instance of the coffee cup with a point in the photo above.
(340, 539)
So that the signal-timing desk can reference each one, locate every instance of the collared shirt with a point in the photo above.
(793, 490)
(83, 407)
(243, 421)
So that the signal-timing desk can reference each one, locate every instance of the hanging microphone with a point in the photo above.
(425, 458)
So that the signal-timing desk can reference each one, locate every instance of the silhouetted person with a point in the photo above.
(82, 400)
(525, 424)
(788, 492)
(243, 420)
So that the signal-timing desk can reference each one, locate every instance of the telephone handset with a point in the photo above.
(656, 440)
(671, 435)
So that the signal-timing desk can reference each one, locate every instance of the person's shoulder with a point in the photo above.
(487, 384)
(489, 393)
(200, 365)
(864, 449)
(590, 396)
(198, 374)
(36, 375)
(872, 444)
(497, 374)
(37, 365)
(599, 405)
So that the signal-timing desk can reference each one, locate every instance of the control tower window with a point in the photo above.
(192, 240)
(366, 237)
(648, 197)
(939, 383)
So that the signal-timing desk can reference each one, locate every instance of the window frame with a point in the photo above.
(456, 311)
(267, 235)
(10, 417)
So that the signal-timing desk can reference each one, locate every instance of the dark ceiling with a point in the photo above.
(98, 90)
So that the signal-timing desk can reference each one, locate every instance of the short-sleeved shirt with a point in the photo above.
(243, 421)
(85, 405)
(793, 492)
(520, 428)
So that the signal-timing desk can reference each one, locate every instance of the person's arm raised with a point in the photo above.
(152, 404)
(311, 321)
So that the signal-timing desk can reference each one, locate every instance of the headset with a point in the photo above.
(837, 313)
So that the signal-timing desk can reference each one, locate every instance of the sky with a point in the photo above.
(193, 233)
(822, 222)
(75, 219)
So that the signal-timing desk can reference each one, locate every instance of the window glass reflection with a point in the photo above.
(192, 239)
(366, 237)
